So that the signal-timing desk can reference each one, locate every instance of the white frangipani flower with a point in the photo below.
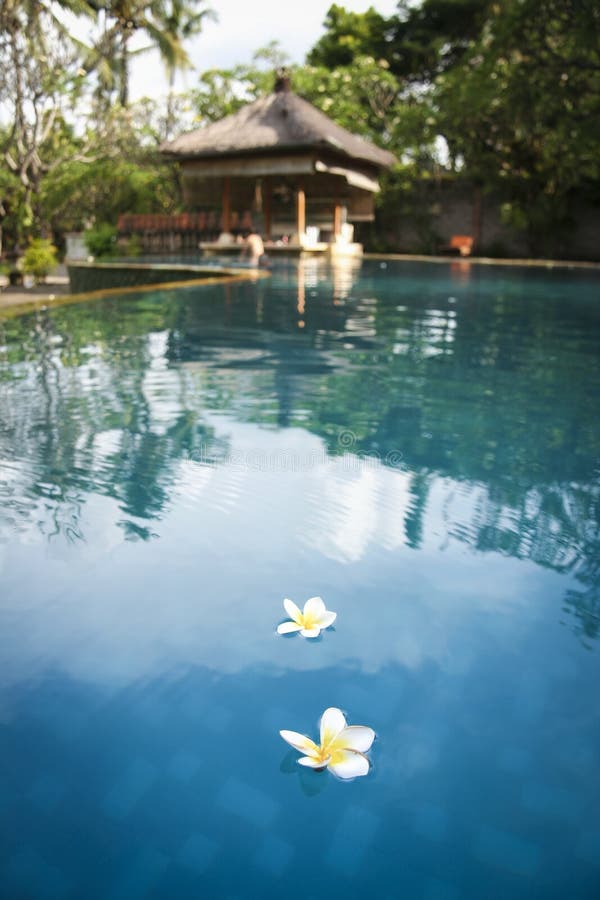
(309, 621)
(342, 746)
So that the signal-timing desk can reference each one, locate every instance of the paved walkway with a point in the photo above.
(11, 295)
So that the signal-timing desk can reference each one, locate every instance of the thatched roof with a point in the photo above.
(280, 121)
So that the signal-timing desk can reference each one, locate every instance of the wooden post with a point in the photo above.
(301, 305)
(226, 216)
(267, 207)
(337, 219)
(477, 218)
(300, 212)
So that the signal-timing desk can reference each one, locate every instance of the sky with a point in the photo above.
(241, 29)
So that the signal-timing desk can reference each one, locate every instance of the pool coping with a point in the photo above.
(487, 261)
(16, 303)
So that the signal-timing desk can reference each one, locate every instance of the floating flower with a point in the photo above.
(342, 746)
(308, 622)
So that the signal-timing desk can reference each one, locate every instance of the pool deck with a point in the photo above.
(55, 286)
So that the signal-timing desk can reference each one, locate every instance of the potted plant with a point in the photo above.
(39, 259)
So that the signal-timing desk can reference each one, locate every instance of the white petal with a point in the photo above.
(327, 619)
(300, 742)
(332, 722)
(292, 610)
(349, 764)
(356, 737)
(314, 608)
(313, 763)
(288, 627)
(311, 632)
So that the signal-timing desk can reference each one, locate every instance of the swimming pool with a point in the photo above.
(417, 444)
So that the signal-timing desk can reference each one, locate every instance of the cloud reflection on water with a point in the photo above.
(208, 592)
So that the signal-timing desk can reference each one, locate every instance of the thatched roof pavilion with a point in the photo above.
(282, 164)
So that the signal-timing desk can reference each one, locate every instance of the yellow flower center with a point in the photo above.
(331, 751)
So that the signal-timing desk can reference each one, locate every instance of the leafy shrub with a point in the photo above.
(497, 250)
(133, 246)
(101, 240)
(39, 259)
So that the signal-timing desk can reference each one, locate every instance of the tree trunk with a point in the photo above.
(124, 73)
(170, 105)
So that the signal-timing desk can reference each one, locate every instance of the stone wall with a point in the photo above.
(429, 219)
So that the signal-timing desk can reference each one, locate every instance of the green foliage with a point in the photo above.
(80, 193)
(221, 92)
(101, 241)
(522, 110)
(419, 42)
(349, 35)
(39, 258)
(133, 247)
(405, 197)
(510, 88)
(108, 171)
(39, 83)
(363, 97)
(70, 155)
(166, 24)
(427, 39)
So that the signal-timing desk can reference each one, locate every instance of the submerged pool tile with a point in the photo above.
(141, 877)
(514, 759)
(588, 847)
(198, 852)
(274, 856)
(351, 840)
(28, 875)
(184, 765)
(66, 719)
(507, 851)
(431, 822)
(248, 802)
(152, 710)
(551, 801)
(379, 708)
(434, 889)
(129, 788)
(154, 684)
(46, 792)
(532, 699)
(274, 716)
(217, 719)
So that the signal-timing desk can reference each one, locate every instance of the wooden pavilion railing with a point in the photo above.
(158, 233)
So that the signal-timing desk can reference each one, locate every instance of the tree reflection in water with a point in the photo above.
(483, 382)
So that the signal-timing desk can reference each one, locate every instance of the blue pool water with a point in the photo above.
(417, 444)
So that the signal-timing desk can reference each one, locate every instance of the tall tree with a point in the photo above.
(523, 109)
(179, 21)
(430, 38)
(166, 23)
(349, 35)
(39, 79)
(363, 97)
(418, 42)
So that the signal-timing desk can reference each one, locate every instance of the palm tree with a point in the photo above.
(179, 20)
(38, 67)
(166, 22)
